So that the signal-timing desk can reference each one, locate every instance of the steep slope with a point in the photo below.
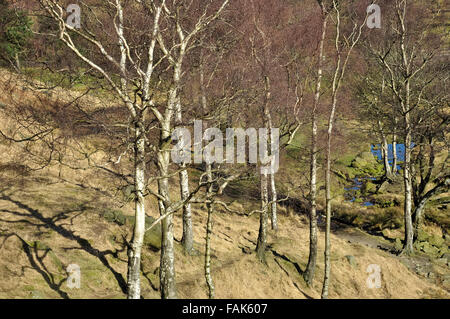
(50, 219)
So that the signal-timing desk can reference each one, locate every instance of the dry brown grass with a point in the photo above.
(47, 224)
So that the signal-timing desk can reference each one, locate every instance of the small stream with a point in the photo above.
(353, 192)
(376, 151)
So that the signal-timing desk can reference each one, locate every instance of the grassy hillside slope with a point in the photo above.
(49, 220)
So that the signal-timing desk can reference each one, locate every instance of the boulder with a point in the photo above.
(365, 162)
(351, 260)
(115, 216)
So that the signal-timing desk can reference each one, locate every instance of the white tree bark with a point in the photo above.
(394, 148)
(273, 191)
(262, 234)
(308, 275)
(385, 151)
(264, 216)
(210, 207)
(167, 262)
(339, 73)
(187, 240)
(134, 253)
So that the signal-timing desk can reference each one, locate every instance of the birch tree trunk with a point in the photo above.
(385, 151)
(308, 275)
(273, 190)
(339, 73)
(167, 265)
(210, 207)
(134, 252)
(328, 202)
(187, 240)
(409, 231)
(17, 60)
(394, 148)
(262, 235)
(264, 216)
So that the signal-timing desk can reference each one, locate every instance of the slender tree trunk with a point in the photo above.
(167, 265)
(262, 235)
(385, 151)
(423, 200)
(394, 149)
(310, 267)
(328, 197)
(273, 190)
(408, 248)
(134, 252)
(210, 207)
(418, 216)
(17, 60)
(409, 231)
(328, 218)
(187, 240)
(188, 233)
(387, 167)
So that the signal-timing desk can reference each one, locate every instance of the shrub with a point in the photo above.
(15, 31)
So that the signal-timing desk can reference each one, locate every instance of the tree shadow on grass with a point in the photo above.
(36, 262)
(51, 223)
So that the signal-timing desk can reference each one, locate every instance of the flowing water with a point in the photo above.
(354, 190)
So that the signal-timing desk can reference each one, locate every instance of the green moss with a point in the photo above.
(346, 160)
(366, 164)
(436, 241)
(369, 188)
(398, 244)
(427, 248)
(422, 235)
(115, 216)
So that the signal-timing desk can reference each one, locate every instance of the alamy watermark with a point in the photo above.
(74, 18)
(74, 279)
(374, 18)
(374, 279)
(258, 146)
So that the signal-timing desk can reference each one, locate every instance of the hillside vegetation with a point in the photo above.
(53, 217)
